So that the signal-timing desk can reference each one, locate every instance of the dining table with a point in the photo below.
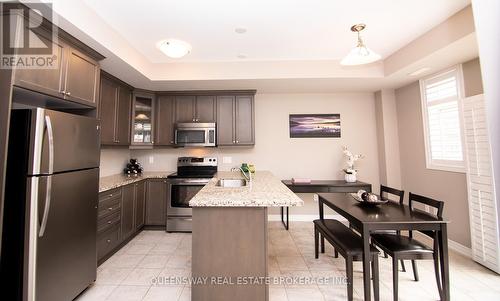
(367, 218)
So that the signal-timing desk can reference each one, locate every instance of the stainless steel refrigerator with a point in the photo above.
(50, 208)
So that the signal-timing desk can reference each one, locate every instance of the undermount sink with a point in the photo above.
(232, 183)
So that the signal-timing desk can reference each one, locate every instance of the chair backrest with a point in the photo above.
(415, 198)
(389, 190)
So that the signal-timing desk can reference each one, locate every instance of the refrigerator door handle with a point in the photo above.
(48, 192)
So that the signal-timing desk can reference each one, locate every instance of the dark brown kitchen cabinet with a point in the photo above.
(205, 109)
(165, 120)
(244, 120)
(81, 82)
(143, 108)
(156, 202)
(191, 108)
(235, 120)
(45, 80)
(114, 111)
(225, 120)
(185, 108)
(74, 77)
(123, 115)
(128, 208)
(140, 204)
(107, 111)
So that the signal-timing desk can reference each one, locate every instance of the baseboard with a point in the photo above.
(452, 245)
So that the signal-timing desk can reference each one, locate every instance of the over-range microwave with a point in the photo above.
(195, 134)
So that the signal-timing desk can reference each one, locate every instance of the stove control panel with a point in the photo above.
(197, 161)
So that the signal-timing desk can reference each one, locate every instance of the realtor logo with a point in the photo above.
(27, 39)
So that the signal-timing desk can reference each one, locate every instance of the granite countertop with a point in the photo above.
(265, 191)
(115, 181)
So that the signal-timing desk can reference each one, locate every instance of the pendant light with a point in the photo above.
(360, 54)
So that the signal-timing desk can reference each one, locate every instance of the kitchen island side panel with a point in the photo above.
(230, 243)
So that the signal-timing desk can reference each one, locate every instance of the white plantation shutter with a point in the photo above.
(441, 113)
(481, 190)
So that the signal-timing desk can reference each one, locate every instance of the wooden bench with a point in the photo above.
(349, 245)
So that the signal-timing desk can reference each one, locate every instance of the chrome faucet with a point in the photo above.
(249, 177)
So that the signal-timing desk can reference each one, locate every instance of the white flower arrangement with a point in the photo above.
(351, 159)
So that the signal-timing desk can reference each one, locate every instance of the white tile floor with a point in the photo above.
(127, 276)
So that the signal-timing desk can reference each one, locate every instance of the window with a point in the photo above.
(441, 109)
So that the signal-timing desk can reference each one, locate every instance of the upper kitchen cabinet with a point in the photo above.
(235, 120)
(205, 109)
(81, 82)
(115, 107)
(185, 108)
(244, 120)
(45, 80)
(195, 108)
(143, 118)
(165, 118)
(74, 74)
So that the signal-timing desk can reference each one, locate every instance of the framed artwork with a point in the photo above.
(314, 125)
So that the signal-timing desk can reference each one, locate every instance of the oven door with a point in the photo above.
(180, 192)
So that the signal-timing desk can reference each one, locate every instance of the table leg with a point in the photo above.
(285, 224)
(366, 262)
(443, 254)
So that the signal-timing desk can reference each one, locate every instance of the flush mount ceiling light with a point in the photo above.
(174, 48)
(360, 54)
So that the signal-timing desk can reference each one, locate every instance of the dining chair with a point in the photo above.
(386, 192)
(406, 247)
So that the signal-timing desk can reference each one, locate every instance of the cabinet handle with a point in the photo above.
(63, 92)
(111, 195)
(68, 93)
(110, 208)
(172, 141)
(108, 240)
(237, 141)
(109, 222)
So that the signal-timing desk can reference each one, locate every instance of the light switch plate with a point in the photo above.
(227, 160)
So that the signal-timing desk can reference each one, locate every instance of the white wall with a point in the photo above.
(316, 158)
(113, 160)
(388, 138)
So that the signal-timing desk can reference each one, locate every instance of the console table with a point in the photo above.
(319, 186)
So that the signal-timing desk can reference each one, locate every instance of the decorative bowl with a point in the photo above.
(370, 200)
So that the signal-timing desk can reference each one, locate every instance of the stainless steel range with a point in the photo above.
(192, 174)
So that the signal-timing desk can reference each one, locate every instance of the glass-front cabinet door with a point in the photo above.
(143, 119)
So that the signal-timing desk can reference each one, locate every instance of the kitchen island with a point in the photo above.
(230, 239)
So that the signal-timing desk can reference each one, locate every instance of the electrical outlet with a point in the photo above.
(315, 198)
(151, 159)
(227, 160)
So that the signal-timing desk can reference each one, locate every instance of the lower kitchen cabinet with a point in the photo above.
(124, 211)
(140, 204)
(156, 202)
(108, 241)
(128, 208)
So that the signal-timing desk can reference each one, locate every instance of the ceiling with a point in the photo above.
(276, 30)
(289, 45)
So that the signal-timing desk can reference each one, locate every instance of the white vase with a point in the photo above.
(350, 178)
